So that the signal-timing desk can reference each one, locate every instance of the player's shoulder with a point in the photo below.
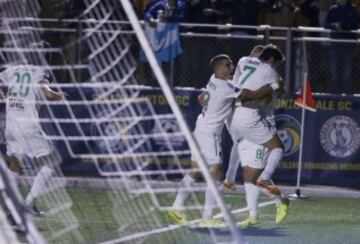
(243, 59)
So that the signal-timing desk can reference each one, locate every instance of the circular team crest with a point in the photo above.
(288, 129)
(109, 132)
(340, 136)
(168, 126)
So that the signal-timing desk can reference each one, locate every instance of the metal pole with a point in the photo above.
(78, 51)
(303, 113)
(289, 85)
(266, 35)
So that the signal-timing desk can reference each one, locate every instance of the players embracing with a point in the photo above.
(252, 126)
(217, 102)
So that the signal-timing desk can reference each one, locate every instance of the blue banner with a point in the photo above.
(331, 152)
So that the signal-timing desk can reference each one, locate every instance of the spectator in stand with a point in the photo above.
(324, 6)
(203, 11)
(162, 19)
(341, 18)
(284, 13)
(244, 12)
(310, 10)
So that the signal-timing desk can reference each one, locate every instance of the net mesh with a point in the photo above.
(108, 123)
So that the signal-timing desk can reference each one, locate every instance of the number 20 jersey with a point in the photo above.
(23, 82)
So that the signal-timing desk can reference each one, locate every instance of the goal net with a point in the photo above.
(108, 123)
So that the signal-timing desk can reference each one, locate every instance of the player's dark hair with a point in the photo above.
(271, 51)
(217, 59)
(258, 48)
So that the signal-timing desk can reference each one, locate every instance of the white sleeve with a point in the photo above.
(235, 91)
(42, 76)
(272, 76)
(237, 74)
(238, 70)
(3, 76)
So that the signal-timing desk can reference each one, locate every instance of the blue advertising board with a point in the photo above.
(331, 154)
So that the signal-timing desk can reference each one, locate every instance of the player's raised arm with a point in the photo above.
(51, 94)
(266, 90)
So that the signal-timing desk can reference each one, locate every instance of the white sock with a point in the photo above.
(183, 192)
(210, 201)
(252, 195)
(40, 184)
(234, 162)
(272, 162)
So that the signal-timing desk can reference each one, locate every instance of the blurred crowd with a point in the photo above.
(333, 66)
(285, 13)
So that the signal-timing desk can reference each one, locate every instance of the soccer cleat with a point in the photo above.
(212, 223)
(178, 217)
(267, 184)
(231, 186)
(282, 210)
(34, 210)
(249, 222)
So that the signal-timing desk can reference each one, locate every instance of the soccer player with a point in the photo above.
(24, 136)
(234, 160)
(254, 121)
(218, 98)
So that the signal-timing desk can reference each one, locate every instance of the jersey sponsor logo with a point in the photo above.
(16, 104)
(340, 136)
(288, 129)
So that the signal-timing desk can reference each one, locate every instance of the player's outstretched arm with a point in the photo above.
(264, 91)
(51, 94)
(201, 99)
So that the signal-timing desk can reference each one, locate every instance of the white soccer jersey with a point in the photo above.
(238, 71)
(219, 98)
(249, 123)
(23, 82)
(252, 74)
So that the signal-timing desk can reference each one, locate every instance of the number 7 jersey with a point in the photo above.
(23, 82)
(251, 73)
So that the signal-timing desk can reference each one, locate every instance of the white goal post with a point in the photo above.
(107, 122)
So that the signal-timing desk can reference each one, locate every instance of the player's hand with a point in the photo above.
(61, 96)
(281, 90)
(201, 99)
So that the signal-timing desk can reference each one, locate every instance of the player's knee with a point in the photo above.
(50, 161)
(251, 174)
(195, 174)
(273, 143)
(13, 163)
(217, 171)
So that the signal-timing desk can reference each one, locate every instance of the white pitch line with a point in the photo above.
(240, 210)
(174, 227)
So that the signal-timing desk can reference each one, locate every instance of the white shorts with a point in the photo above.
(210, 146)
(252, 155)
(31, 144)
(247, 123)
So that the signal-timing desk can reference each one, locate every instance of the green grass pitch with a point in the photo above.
(313, 220)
